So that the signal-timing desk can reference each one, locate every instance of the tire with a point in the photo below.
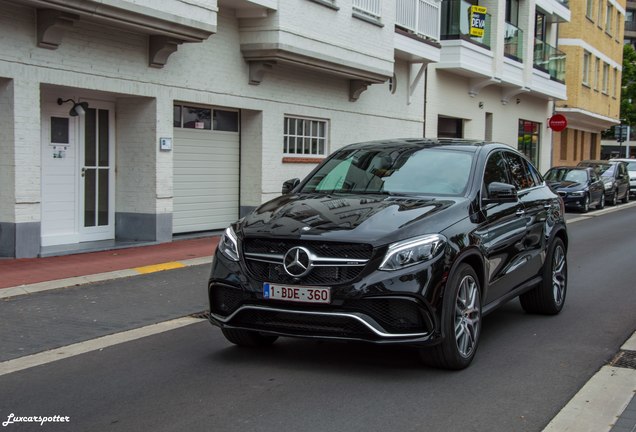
(614, 198)
(626, 197)
(461, 322)
(586, 204)
(548, 297)
(601, 203)
(248, 338)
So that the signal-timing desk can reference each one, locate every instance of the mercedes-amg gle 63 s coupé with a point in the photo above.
(406, 241)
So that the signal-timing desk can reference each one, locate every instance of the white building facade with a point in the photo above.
(501, 85)
(135, 120)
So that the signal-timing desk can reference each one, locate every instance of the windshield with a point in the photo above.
(600, 168)
(631, 166)
(394, 171)
(566, 174)
(609, 172)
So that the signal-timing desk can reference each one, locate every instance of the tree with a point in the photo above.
(628, 86)
(628, 92)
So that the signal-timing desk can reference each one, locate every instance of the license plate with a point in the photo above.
(296, 293)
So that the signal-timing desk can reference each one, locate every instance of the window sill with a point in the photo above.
(327, 3)
(367, 18)
(302, 160)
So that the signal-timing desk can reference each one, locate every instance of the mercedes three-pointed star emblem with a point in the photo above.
(297, 262)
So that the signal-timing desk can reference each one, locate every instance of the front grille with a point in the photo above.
(301, 324)
(275, 273)
(325, 249)
(320, 275)
(394, 315)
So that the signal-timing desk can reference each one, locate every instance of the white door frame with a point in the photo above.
(104, 232)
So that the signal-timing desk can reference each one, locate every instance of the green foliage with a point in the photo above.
(628, 93)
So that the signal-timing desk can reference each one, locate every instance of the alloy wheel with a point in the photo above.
(559, 274)
(467, 316)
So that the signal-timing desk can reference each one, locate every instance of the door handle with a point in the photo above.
(547, 206)
(520, 212)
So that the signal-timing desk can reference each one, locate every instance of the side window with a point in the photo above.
(594, 176)
(519, 174)
(534, 173)
(495, 170)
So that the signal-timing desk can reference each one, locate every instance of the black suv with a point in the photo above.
(407, 241)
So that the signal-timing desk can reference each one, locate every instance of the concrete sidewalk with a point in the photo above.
(605, 403)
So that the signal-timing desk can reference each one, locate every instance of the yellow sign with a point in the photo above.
(477, 20)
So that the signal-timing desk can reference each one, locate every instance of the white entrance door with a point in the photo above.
(77, 174)
(96, 173)
(59, 179)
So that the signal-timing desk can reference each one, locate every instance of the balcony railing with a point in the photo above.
(549, 59)
(422, 17)
(513, 42)
(372, 8)
(456, 22)
(630, 26)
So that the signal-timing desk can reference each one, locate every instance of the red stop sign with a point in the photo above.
(558, 122)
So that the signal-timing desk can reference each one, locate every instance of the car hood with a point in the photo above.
(373, 219)
(567, 186)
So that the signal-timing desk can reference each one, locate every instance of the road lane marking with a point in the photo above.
(159, 267)
(99, 343)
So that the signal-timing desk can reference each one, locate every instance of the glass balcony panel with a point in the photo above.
(456, 22)
(549, 59)
(513, 42)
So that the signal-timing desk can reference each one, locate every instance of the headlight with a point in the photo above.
(609, 184)
(412, 251)
(228, 245)
(577, 194)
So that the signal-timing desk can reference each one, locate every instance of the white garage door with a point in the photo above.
(206, 179)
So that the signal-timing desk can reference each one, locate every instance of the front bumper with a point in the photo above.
(572, 201)
(378, 307)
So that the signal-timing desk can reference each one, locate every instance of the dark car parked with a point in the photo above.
(407, 241)
(615, 176)
(579, 187)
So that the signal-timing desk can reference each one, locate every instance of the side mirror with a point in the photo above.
(289, 185)
(501, 193)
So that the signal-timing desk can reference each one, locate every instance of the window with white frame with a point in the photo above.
(615, 87)
(586, 68)
(599, 18)
(589, 8)
(305, 136)
(597, 73)
(605, 78)
(368, 8)
(609, 14)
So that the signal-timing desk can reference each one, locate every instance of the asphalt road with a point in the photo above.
(526, 370)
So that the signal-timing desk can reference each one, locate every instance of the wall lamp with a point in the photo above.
(79, 108)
